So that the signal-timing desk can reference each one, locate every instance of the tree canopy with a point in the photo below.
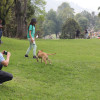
(69, 29)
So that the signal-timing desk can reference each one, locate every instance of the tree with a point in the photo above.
(65, 11)
(99, 12)
(90, 17)
(16, 14)
(69, 28)
(39, 26)
(51, 24)
(49, 27)
(30, 10)
(78, 16)
(39, 6)
(20, 13)
(5, 6)
(83, 22)
(97, 24)
(86, 19)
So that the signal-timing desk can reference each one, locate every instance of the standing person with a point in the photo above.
(86, 34)
(31, 38)
(77, 33)
(4, 76)
(0, 30)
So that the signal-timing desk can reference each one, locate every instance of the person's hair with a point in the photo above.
(33, 21)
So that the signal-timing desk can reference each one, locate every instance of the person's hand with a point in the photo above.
(3, 52)
(32, 40)
(6, 62)
(8, 54)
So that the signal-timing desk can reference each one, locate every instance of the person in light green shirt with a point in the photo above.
(31, 38)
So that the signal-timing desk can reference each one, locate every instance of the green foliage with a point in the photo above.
(87, 20)
(39, 26)
(99, 12)
(90, 17)
(54, 20)
(30, 10)
(49, 27)
(97, 26)
(51, 15)
(73, 75)
(83, 22)
(69, 29)
(39, 6)
(77, 16)
(51, 24)
(14, 15)
(5, 7)
(65, 11)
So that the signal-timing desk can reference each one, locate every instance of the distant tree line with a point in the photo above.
(16, 15)
(64, 21)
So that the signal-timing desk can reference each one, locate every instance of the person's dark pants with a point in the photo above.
(5, 76)
(0, 36)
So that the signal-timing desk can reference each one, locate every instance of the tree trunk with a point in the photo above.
(20, 13)
(24, 19)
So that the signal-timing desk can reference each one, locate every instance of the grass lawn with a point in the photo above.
(73, 75)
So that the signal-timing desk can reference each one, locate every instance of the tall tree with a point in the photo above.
(99, 12)
(90, 17)
(39, 6)
(16, 15)
(65, 11)
(5, 6)
(69, 28)
(20, 13)
(86, 19)
(49, 25)
(83, 22)
(30, 10)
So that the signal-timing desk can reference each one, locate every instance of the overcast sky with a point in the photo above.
(87, 4)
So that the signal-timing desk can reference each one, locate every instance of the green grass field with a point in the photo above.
(73, 75)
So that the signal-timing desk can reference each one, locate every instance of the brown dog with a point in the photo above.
(43, 56)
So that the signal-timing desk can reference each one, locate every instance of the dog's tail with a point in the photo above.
(51, 54)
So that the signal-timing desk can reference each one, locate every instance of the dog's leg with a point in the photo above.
(37, 59)
(49, 61)
(45, 60)
(41, 60)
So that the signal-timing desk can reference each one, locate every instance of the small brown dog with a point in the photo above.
(43, 56)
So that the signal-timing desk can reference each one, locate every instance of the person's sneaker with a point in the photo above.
(0, 83)
(26, 55)
(34, 57)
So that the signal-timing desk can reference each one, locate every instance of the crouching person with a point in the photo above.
(4, 76)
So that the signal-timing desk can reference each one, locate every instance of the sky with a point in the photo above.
(86, 4)
(89, 4)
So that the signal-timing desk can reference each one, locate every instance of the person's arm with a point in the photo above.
(30, 36)
(30, 30)
(6, 62)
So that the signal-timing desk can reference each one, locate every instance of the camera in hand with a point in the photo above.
(5, 52)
